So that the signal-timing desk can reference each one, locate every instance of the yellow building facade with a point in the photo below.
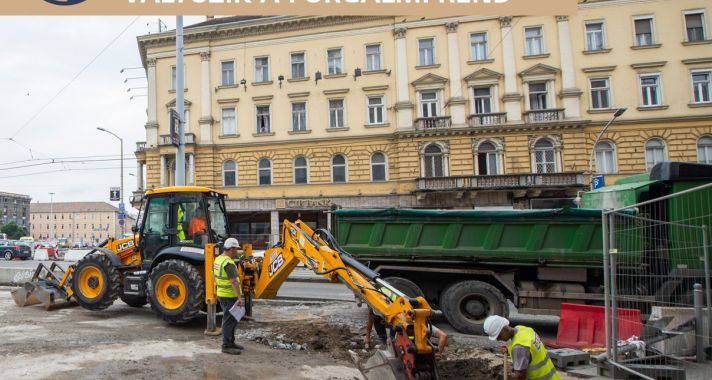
(293, 115)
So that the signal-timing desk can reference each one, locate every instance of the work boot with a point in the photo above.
(239, 347)
(231, 351)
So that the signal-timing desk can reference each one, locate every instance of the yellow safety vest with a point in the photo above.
(224, 286)
(181, 217)
(386, 292)
(540, 366)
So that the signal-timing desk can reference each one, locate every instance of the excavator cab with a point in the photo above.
(163, 264)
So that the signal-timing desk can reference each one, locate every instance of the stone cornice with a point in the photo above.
(239, 31)
(504, 128)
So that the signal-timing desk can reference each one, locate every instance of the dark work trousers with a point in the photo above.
(228, 322)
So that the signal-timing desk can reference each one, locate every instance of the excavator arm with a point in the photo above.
(411, 355)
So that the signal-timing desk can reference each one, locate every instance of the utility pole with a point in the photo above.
(122, 208)
(51, 214)
(180, 106)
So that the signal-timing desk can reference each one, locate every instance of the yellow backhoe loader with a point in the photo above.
(168, 263)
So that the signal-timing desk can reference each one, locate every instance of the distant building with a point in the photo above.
(78, 222)
(14, 208)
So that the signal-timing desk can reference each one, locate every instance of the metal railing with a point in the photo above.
(508, 181)
(140, 146)
(657, 284)
(166, 139)
(485, 119)
(543, 116)
(428, 123)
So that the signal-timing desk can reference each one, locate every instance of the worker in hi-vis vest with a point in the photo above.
(229, 292)
(529, 357)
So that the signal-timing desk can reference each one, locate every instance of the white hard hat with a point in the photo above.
(231, 243)
(494, 325)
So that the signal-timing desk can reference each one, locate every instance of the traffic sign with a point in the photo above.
(598, 182)
(122, 207)
(114, 193)
(121, 222)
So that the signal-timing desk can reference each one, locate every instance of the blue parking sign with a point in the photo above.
(598, 182)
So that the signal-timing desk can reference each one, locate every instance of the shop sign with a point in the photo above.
(302, 203)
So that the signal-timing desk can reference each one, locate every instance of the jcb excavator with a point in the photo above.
(168, 263)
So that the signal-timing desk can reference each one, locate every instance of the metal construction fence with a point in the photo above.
(657, 287)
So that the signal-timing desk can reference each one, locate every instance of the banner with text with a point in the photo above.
(430, 8)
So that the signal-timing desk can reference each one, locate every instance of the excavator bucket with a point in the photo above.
(383, 365)
(48, 287)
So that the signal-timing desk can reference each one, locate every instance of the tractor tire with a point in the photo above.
(96, 282)
(176, 291)
(467, 304)
(408, 287)
(134, 301)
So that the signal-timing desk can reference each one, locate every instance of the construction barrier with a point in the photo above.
(40, 254)
(76, 254)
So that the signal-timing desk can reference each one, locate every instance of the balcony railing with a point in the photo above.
(189, 139)
(140, 146)
(543, 116)
(497, 182)
(485, 119)
(430, 123)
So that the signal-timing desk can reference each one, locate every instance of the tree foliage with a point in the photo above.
(13, 231)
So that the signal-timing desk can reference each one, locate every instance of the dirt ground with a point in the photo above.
(286, 341)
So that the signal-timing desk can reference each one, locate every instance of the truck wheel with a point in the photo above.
(96, 282)
(408, 287)
(466, 304)
(176, 291)
(134, 301)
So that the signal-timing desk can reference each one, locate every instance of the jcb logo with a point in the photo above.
(276, 263)
(127, 245)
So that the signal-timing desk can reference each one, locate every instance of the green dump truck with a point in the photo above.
(470, 263)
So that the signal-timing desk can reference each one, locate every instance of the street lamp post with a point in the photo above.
(616, 115)
(51, 215)
(121, 197)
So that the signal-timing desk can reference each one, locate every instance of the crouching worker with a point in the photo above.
(229, 293)
(529, 357)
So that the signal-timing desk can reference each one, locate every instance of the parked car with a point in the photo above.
(52, 251)
(10, 250)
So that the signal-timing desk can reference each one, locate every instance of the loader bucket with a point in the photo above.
(45, 288)
(23, 295)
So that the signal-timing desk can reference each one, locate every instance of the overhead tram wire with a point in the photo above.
(61, 90)
(58, 171)
(68, 162)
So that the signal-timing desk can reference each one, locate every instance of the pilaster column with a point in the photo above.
(512, 98)
(206, 119)
(570, 94)
(152, 119)
(456, 101)
(139, 176)
(191, 169)
(163, 171)
(403, 106)
(274, 226)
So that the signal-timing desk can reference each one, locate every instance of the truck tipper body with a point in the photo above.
(471, 262)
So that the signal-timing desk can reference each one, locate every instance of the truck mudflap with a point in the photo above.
(49, 287)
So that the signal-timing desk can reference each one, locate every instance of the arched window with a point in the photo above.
(605, 157)
(487, 157)
(229, 173)
(301, 174)
(433, 161)
(704, 150)
(338, 168)
(264, 172)
(544, 157)
(378, 167)
(654, 152)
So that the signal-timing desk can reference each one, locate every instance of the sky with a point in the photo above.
(60, 79)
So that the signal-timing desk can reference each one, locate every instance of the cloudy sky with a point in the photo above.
(48, 114)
